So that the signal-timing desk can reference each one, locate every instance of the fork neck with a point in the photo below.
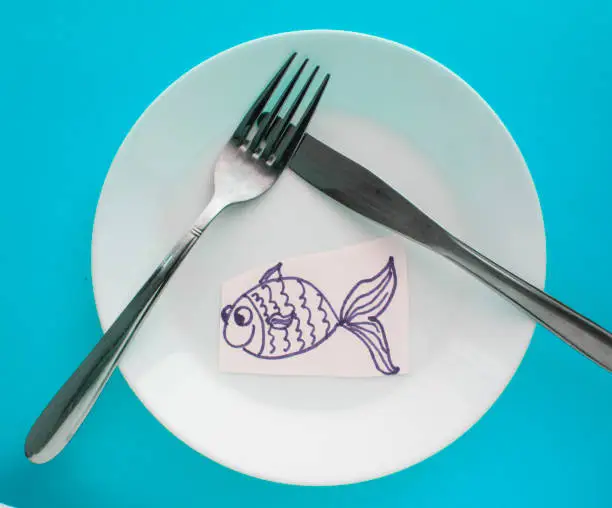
(214, 207)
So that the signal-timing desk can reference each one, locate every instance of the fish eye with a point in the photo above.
(243, 316)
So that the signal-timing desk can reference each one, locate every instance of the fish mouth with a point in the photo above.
(250, 337)
(244, 344)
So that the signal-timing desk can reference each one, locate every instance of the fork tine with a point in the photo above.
(278, 132)
(242, 131)
(267, 124)
(291, 144)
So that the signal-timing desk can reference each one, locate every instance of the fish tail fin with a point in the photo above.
(368, 299)
(372, 335)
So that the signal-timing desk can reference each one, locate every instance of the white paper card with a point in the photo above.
(342, 313)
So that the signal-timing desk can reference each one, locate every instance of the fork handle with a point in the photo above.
(578, 331)
(68, 408)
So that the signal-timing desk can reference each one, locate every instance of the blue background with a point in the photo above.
(76, 74)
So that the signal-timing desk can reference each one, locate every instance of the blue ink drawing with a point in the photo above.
(282, 316)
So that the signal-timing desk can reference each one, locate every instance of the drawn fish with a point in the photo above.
(283, 316)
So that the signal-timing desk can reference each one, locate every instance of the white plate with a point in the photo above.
(424, 131)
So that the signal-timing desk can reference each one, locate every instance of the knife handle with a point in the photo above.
(576, 330)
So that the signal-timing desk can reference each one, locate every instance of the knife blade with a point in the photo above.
(359, 189)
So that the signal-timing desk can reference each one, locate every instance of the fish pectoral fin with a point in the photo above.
(280, 322)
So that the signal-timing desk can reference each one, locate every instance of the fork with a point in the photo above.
(248, 165)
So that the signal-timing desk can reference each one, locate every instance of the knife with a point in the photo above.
(362, 191)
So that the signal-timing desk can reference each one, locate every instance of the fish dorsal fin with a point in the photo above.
(272, 273)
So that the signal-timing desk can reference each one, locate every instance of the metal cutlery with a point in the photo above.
(247, 166)
(359, 189)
